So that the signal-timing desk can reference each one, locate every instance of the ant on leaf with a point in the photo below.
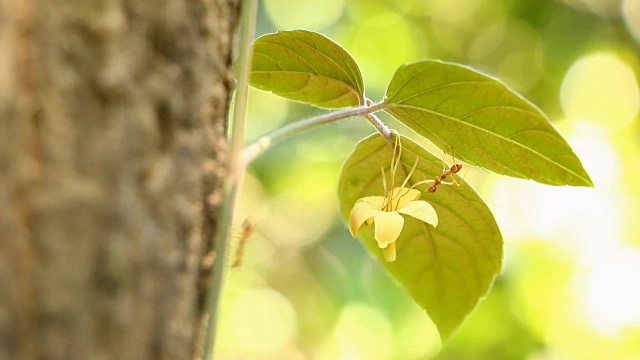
(455, 168)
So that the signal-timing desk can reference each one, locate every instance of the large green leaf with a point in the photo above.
(482, 121)
(306, 66)
(446, 269)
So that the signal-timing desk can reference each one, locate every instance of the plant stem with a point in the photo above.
(266, 141)
(379, 125)
(236, 168)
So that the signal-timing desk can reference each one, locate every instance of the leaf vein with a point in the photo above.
(443, 86)
(407, 80)
(480, 129)
(321, 53)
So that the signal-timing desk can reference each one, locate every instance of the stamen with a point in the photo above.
(395, 159)
(400, 196)
(406, 180)
(384, 180)
(384, 189)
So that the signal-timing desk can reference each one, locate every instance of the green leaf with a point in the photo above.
(481, 121)
(306, 66)
(446, 269)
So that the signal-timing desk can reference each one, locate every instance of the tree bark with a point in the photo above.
(112, 151)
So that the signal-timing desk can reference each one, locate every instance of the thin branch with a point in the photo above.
(236, 171)
(266, 141)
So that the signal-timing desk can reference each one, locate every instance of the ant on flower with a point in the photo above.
(385, 211)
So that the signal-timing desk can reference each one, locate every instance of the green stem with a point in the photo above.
(266, 141)
(236, 171)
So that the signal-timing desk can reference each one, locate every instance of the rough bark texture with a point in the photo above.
(112, 121)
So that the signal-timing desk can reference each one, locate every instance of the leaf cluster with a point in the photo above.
(446, 269)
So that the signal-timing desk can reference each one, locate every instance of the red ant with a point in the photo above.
(248, 227)
(445, 173)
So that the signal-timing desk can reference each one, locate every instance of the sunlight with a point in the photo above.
(602, 88)
(252, 317)
(610, 292)
(552, 212)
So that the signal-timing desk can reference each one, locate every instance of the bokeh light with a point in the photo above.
(370, 40)
(252, 315)
(603, 89)
(611, 304)
(308, 14)
(362, 332)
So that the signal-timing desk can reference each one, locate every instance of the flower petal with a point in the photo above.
(364, 209)
(388, 227)
(375, 201)
(402, 196)
(390, 252)
(421, 210)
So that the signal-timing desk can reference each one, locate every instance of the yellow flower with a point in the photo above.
(385, 210)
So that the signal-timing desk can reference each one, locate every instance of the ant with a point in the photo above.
(248, 227)
(445, 173)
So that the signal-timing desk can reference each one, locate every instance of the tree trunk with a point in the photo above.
(112, 145)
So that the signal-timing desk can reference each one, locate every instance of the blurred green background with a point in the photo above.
(570, 285)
